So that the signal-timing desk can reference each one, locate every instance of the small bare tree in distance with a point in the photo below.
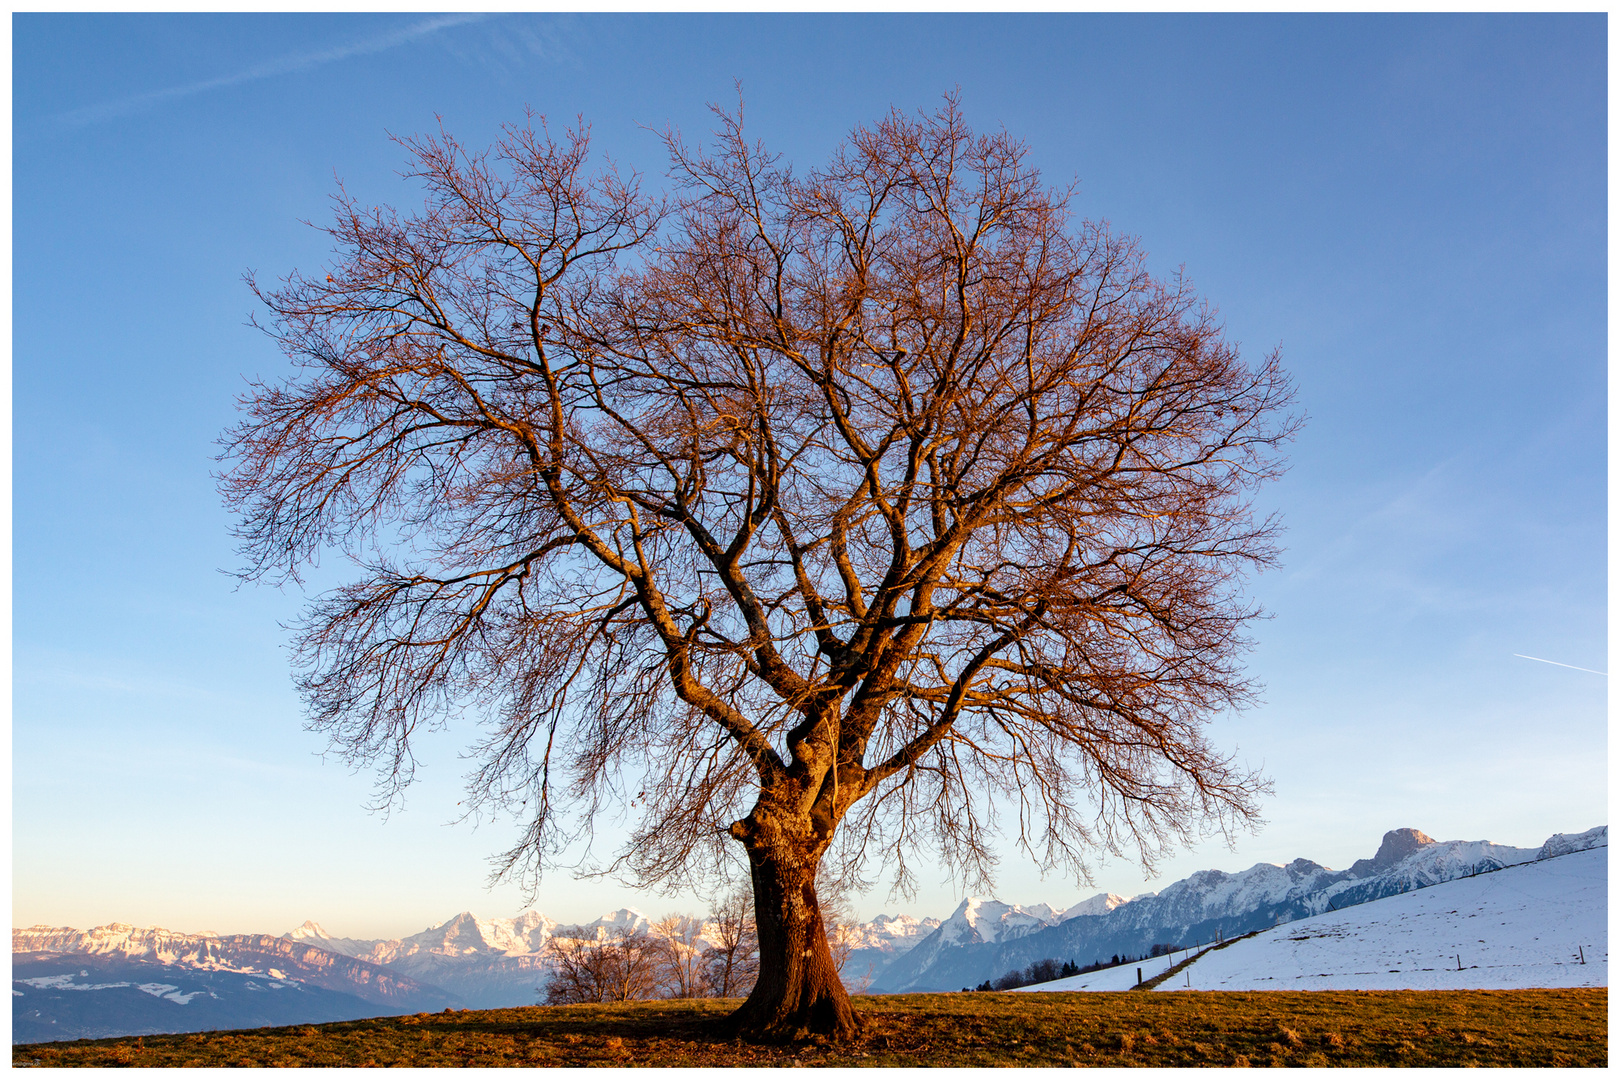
(838, 513)
(620, 966)
(731, 963)
(680, 955)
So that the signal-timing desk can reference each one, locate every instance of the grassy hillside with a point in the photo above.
(1355, 1028)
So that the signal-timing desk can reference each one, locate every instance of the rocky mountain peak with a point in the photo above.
(980, 920)
(1101, 904)
(1398, 844)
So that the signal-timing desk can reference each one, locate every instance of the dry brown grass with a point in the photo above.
(1311, 1028)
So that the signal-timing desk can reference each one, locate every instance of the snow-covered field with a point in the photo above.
(1524, 926)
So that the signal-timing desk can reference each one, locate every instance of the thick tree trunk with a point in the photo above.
(798, 993)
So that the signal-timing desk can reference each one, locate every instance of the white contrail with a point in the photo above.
(283, 65)
(1555, 663)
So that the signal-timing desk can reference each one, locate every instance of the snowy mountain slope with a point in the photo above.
(1529, 925)
(1206, 906)
(1564, 843)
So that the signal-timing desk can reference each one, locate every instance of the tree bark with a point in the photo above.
(798, 993)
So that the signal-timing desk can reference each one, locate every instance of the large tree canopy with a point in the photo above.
(885, 506)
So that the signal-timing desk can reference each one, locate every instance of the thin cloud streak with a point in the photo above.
(284, 65)
(1555, 663)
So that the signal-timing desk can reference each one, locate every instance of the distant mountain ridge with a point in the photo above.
(246, 954)
(121, 980)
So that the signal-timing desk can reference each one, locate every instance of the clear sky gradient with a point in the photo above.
(1413, 208)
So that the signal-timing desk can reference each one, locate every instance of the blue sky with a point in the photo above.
(1413, 208)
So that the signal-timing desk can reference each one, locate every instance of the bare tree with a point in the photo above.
(620, 966)
(731, 963)
(680, 955)
(835, 514)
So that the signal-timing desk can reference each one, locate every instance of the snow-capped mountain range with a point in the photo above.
(122, 980)
(467, 935)
(978, 922)
(891, 933)
(488, 963)
(273, 958)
